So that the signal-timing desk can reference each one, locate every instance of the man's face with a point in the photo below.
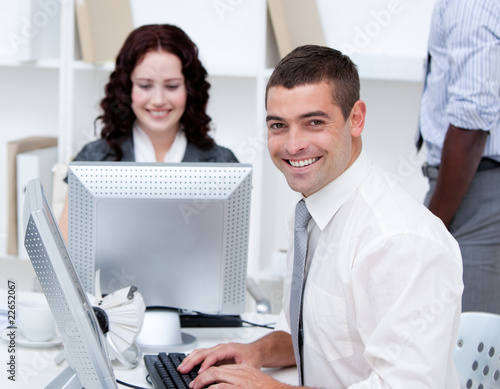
(308, 138)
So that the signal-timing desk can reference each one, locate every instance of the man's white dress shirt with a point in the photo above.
(382, 299)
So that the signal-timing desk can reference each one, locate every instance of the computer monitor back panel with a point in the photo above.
(179, 232)
(84, 345)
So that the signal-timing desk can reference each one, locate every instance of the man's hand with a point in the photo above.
(273, 350)
(238, 364)
(236, 376)
(229, 353)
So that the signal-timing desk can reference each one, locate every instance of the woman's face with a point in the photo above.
(158, 93)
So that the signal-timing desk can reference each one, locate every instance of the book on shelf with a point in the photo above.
(103, 26)
(295, 23)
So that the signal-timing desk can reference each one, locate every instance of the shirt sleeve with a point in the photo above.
(408, 305)
(474, 57)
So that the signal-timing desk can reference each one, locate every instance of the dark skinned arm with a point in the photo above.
(462, 152)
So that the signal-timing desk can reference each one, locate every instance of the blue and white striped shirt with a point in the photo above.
(463, 83)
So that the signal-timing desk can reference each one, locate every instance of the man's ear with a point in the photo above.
(357, 118)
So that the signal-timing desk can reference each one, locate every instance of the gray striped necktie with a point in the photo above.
(302, 218)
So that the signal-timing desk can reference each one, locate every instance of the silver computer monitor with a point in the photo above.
(178, 232)
(85, 349)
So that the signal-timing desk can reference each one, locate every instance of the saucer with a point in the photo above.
(22, 341)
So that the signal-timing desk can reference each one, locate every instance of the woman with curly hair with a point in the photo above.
(154, 109)
(156, 98)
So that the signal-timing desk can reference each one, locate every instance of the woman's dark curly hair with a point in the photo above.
(118, 117)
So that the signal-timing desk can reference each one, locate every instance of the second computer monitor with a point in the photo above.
(179, 232)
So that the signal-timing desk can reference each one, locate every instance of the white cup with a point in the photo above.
(160, 327)
(35, 320)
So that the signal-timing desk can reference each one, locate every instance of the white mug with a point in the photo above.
(35, 320)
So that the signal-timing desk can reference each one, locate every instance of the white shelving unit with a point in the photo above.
(59, 97)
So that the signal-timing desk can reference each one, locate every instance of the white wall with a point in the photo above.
(390, 27)
(21, 90)
(390, 130)
(8, 25)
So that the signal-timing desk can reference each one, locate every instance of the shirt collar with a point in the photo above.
(144, 150)
(325, 203)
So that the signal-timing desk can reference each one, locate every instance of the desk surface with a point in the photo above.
(36, 367)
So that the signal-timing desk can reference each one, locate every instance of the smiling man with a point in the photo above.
(383, 278)
(309, 140)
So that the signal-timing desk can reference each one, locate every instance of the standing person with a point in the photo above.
(154, 109)
(381, 301)
(460, 126)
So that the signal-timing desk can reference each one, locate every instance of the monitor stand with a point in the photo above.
(161, 332)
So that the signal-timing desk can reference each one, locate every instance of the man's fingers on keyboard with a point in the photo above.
(238, 375)
(192, 360)
(210, 360)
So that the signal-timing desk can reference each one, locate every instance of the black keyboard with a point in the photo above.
(162, 370)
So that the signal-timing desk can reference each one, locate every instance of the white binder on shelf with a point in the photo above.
(30, 165)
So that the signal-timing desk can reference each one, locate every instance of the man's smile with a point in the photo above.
(302, 162)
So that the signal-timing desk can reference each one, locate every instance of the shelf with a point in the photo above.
(221, 71)
(42, 64)
(370, 66)
(80, 65)
(214, 71)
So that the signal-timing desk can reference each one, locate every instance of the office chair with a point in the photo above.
(477, 351)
